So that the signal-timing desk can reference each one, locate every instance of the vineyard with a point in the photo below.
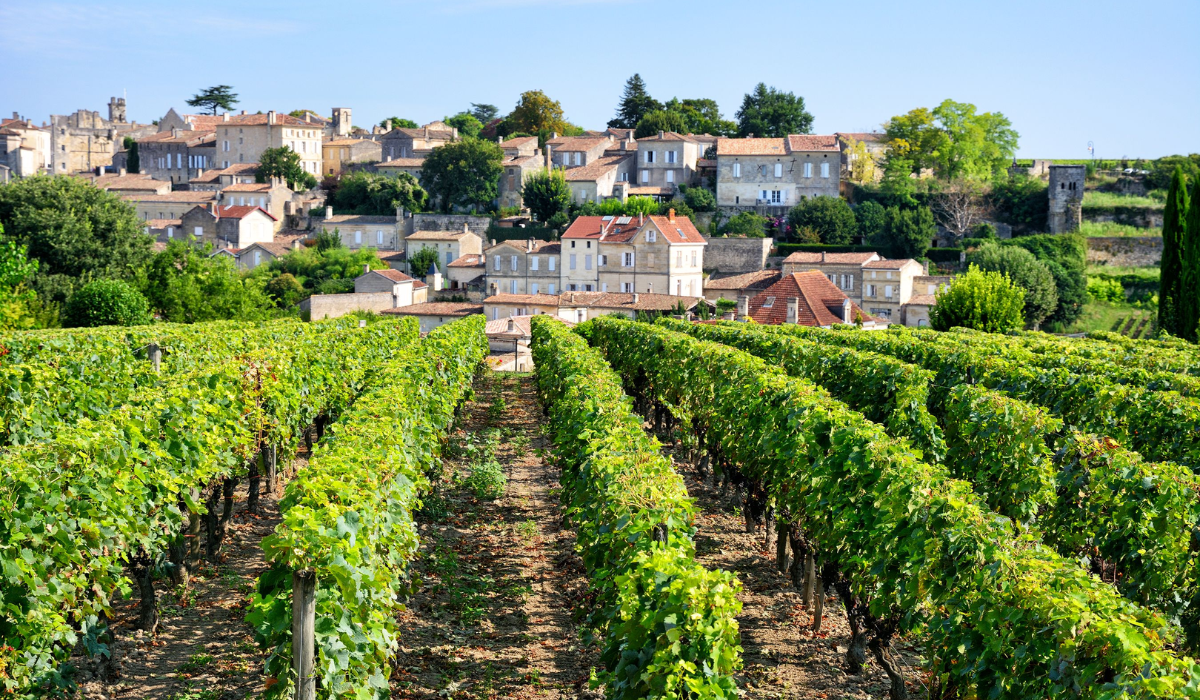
(935, 515)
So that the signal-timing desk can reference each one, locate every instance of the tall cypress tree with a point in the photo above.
(635, 103)
(1171, 267)
(1189, 285)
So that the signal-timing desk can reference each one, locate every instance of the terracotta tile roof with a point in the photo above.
(261, 119)
(203, 122)
(390, 256)
(190, 138)
(587, 227)
(681, 230)
(248, 187)
(518, 142)
(819, 301)
(402, 163)
(362, 219)
(595, 170)
(499, 327)
(751, 147)
(759, 279)
(522, 245)
(18, 124)
(130, 182)
(418, 284)
(393, 275)
(706, 163)
(620, 134)
(471, 260)
(277, 249)
(668, 136)
(240, 212)
(438, 308)
(862, 136)
(436, 235)
(435, 132)
(922, 300)
(186, 196)
(535, 299)
(809, 258)
(345, 142)
(162, 223)
(521, 160)
(813, 142)
(888, 264)
(619, 301)
(237, 169)
(8, 132)
(651, 191)
(578, 143)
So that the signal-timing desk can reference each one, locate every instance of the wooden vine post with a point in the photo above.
(304, 618)
(154, 354)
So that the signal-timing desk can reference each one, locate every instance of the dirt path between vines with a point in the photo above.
(496, 613)
(782, 657)
(204, 650)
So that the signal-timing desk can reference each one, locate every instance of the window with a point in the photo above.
(922, 322)
(825, 170)
(645, 176)
(678, 288)
(870, 290)
(932, 289)
(578, 159)
(572, 261)
(651, 236)
(779, 170)
(769, 302)
(496, 263)
(627, 260)
(624, 177)
(882, 313)
(588, 288)
(679, 258)
(832, 278)
(737, 169)
(495, 313)
(587, 261)
(551, 266)
(513, 263)
(887, 291)
(695, 255)
(889, 274)
(225, 146)
(170, 232)
(198, 232)
(808, 170)
(602, 261)
(670, 176)
(357, 237)
(848, 282)
(649, 156)
(550, 288)
(671, 157)
(533, 263)
(604, 286)
(379, 237)
(449, 257)
(512, 287)
(627, 287)
(776, 196)
(533, 288)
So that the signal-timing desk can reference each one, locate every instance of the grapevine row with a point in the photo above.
(908, 548)
(668, 623)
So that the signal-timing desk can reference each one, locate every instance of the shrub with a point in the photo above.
(983, 300)
(872, 219)
(831, 217)
(1105, 289)
(700, 199)
(106, 303)
(746, 224)
(1025, 271)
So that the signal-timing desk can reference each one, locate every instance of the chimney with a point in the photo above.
(793, 310)
(512, 326)
(271, 117)
(399, 214)
(635, 297)
(121, 172)
(846, 311)
(99, 171)
(641, 219)
(466, 228)
(225, 117)
(553, 135)
(427, 131)
(328, 213)
(822, 256)
(529, 245)
(499, 139)
(387, 126)
(743, 306)
(199, 172)
(750, 135)
(243, 112)
(661, 134)
(671, 215)
(549, 161)
(366, 268)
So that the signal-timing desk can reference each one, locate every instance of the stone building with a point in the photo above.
(85, 140)
(874, 143)
(341, 125)
(450, 245)
(602, 178)
(177, 156)
(122, 183)
(220, 178)
(366, 231)
(522, 160)
(745, 284)
(888, 285)
(577, 151)
(272, 196)
(172, 205)
(242, 138)
(772, 175)
(1066, 197)
(843, 269)
(416, 143)
(339, 152)
(653, 254)
(522, 267)
(807, 299)
(666, 161)
(409, 166)
(24, 146)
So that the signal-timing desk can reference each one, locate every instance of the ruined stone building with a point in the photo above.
(85, 140)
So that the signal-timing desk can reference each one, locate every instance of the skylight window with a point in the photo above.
(769, 302)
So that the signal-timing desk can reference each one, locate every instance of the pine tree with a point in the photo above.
(635, 104)
(1188, 301)
(1171, 268)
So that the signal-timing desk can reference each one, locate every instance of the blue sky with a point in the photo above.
(1124, 75)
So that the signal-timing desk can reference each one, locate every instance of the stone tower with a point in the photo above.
(341, 121)
(1066, 198)
(116, 110)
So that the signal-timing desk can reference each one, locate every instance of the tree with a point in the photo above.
(284, 163)
(1175, 214)
(959, 206)
(485, 113)
(1020, 201)
(466, 123)
(535, 112)
(635, 104)
(1189, 282)
(830, 217)
(546, 194)
(75, 231)
(978, 146)
(398, 123)
(328, 240)
(187, 284)
(701, 116)
(985, 301)
(872, 220)
(862, 163)
(373, 194)
(746, 224)
(19, 308)
(421, 260)
(1065, 255)
(463, 173)
(286, 290)
(660, 120)
(106, 303)
(700, 199)
(906, 233)
(1025, 271)
(211, 98)
(133, 163)
(915, 139)
(767, 112)
(897, 185)
(315, 268)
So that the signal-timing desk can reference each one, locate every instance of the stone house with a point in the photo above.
(410, 166)
(887, 285)
(666, 161)
(122, 183)
(172, 205)
(577, 151)
(843, 269)
(242, 138)
(523, 267)
(504, 305)
(337, 153)
(177, 155)
(220, 178)
(522, 160)
(85, 140)
(772, 175)
(580, 250)
(915, 311)
(450, 245)
(804, 298)
(398, 284)
(26, 146)
(876, 147)
(272, 196)
(600, 179)
(432, 314)
(663, 254)
(365, 231)
(467, 272)
(257, 254)
(733, 286)
(415, 143)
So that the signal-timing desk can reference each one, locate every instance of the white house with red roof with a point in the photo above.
(644, 254)
(777, 173)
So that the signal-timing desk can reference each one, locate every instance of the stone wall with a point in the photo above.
(448, 222)
(320, 306)
(736, 255)
(1125, 251)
